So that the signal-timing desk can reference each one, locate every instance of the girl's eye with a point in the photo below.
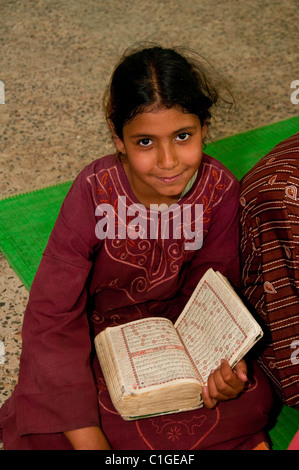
(182, 137)
(145, 142)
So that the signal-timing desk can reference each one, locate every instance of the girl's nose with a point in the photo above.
(167, 157)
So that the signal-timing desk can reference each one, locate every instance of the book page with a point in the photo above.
(149, 352)
(210, 326)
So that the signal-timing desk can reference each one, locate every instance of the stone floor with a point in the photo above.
(55, 62)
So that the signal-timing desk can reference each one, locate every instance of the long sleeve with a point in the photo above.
(56, 390)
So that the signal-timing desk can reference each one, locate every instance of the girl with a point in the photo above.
(158, 108)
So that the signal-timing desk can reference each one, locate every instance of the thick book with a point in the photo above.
(153, 367)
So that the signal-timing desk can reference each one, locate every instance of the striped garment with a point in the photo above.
(270, 261)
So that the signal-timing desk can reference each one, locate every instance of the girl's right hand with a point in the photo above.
(225, 383)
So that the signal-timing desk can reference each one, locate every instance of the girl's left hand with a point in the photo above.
(225, 383)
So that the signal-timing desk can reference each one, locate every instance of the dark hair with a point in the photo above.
(157, 77)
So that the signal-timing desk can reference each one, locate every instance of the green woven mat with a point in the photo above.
(26, 221)
(241, 151)
(285, 428)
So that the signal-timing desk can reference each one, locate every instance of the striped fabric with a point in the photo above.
(270, 261)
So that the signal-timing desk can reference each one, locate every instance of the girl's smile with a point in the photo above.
(169, 180)
(163, 150)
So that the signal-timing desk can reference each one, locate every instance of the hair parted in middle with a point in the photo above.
(154, 77)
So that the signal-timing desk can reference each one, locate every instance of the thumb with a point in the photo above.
(241, 370)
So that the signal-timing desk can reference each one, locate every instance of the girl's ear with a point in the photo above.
(117, 140)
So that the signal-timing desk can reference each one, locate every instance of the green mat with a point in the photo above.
(284, 428)
(241, 151)
(26, 221)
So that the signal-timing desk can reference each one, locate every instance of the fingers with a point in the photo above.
(209, 402)
(225, 383)
(241, 370)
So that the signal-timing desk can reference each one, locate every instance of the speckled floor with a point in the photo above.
(55, 61)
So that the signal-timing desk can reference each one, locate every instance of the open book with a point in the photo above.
(153, 367)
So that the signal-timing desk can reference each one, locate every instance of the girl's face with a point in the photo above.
(163, 150)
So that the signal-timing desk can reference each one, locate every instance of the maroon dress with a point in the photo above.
(270, 254)
(85, 284)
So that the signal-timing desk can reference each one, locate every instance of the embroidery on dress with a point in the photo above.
(269, 288)
(272, 180)
(291, 192)
(242, 201)
(156, 260)
(288, 251)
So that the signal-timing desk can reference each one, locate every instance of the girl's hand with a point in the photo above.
(225, 383)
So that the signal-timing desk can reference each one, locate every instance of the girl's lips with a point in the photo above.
(171, 179)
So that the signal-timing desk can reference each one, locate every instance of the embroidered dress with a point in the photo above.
(85, 284)
(270, 261)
